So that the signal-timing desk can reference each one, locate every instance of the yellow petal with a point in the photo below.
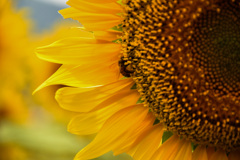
(148, 143)
(117, 128)
(97, 1)
(130, 142)
(91, 122)
(219, 155)
(79, 51)
(234, 155)
(92, 21)
(185, 151)
(200, 153)
(109, 35)
(174, 149)
(83, 75)
(86, 99)
(90, 7)
(210, 151)
(79, 32)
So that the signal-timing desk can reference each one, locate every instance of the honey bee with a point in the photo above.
(125, 70)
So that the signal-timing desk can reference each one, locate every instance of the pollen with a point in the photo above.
(184, 57)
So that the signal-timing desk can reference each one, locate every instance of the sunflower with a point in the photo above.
(156, 79)
(13, 51)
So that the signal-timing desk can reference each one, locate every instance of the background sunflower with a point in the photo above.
(31, 127)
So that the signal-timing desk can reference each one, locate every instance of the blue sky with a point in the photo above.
(55, 2)
(44, 13)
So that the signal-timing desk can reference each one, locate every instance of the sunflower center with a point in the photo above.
(215, 47)
(185, 59)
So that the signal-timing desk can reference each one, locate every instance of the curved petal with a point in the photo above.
(91, 7)
(174, 149)
(234, 155)
(116, 129)
(86, 99)
(185, 152)
(78, 50)
(200, 153)
(210, 151)
(83, 75)
(91, 122)
(133, 140)
(92, 21)
(219, 155)
(97, 1)
(148, 143)
(107, 35)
